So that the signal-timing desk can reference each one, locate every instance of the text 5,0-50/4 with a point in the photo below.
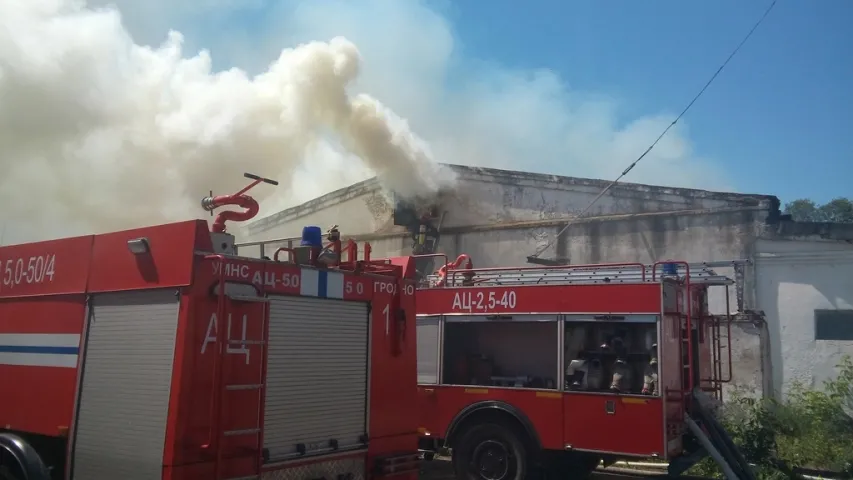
(27, 271)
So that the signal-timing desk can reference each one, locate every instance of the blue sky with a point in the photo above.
(779, 117)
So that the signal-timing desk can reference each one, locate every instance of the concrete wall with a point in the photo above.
(795, 277)
(489, 196)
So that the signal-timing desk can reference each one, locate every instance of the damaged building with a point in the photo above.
(800, 274)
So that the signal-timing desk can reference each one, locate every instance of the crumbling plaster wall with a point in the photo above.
(489, 197)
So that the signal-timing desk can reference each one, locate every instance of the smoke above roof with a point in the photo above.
(99, 133)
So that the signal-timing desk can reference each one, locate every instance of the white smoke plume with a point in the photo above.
(98, 133)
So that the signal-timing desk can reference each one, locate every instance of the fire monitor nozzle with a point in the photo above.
(239, 199)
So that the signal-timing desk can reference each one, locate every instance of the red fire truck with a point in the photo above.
(159, 353)
(555, 369)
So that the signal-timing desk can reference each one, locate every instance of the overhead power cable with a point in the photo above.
(533, 258)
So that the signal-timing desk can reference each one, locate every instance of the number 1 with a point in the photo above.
(387, 312)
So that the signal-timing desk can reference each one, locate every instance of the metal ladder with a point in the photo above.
(687, 346)
(227, 388)
(718, 350)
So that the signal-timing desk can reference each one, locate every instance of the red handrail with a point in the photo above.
(220, 314)
(263, 388)
(442, 272)
(728, 340)
(352, 251)
(591, 267)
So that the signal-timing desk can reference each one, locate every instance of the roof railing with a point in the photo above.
(266, 248)
(615, 273)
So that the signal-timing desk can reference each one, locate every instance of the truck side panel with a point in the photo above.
(393, 377)
(39, 345)
(614, 423)
(125, 385)
(543, 408)
(393, 382)
(169, 262)
(55, 267)
(42, 295)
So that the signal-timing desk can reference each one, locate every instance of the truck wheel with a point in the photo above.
(490, 452)
(10, 467)
(19, 460)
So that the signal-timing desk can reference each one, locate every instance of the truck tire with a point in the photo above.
(490, 451)
(19, 460)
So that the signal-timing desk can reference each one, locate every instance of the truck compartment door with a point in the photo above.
(317, 377)
(125, 387)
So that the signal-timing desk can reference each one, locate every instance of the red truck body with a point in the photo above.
(497, 348)
(144, 354)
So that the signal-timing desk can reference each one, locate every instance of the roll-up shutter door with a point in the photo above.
(127, 377)
(428, 342)
(317, 374)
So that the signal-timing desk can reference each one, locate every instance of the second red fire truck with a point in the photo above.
(559, 368)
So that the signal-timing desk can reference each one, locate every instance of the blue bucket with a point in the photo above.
(312, 237)
(670, 269)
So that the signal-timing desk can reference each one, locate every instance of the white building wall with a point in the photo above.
(793, 278)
